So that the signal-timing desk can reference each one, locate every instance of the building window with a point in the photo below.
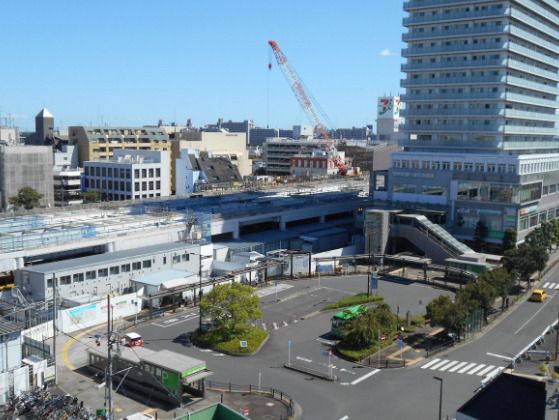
(176, 259)
(78, 277)
(186, 257)
(65, 280)
(136, 265)
(125, 268)
(151, 172)
(146, 264)
(115, 270)
(103, 272)
(157, 172)
(144, 173)
(136, 173)
(157, 185)
(90, 275)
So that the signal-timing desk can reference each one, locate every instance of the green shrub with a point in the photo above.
(417, 320)
(229, 341)
(357, 299)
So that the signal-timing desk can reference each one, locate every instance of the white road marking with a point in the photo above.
(344, 383)
(484, 371)
(556, 286)
(448, 366)
(496, 371)
(367, 375)
(432, 362)
(458, 366)
(275, 325)
(205, 350)
(167, 322)
(348, 371)
(533, 316)
(303, 359)
(218, 354)
(474, 370)
(264, 326)
(500, 356)
(295, 321)
(439, 365)
(545, 285)
(285, 324)
(344, 418)
(272, 289)
(464, 369)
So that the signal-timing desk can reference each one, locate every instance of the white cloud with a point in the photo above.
(386, 53)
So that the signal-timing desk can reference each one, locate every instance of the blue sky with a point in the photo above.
(131, 62)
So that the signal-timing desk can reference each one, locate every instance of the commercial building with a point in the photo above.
(277, 153)
(389, 120)
(97, 142)
(129, 175)
(9, 136)
(318, 163)
(481, 115)
(26, 166)
(67, 186)
(199, 171)
(94, 276)
(217, 144)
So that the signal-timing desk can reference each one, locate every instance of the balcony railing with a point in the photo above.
(455, 32)
(445, 81)
(534, 23)
(531, 145)
(456, 15)
(417, 4)
(439, 65)
(531, 85)
(537, 71)
(530, 37)
(534, 100)
(417, 51)
(457, 96)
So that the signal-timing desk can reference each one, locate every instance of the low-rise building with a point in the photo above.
(129, 175)
(318, 163)
(277, 153)
(67, 186)
(98, 275)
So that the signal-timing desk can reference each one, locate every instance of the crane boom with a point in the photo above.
(303, 97)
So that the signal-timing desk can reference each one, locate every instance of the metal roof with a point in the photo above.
(8, 327)
(160, 277)
(172, 360)
(109, 257)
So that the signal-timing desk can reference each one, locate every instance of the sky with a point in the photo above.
(133, 62)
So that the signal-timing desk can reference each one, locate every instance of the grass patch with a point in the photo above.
(357, 299)
(360, 354)
(228, 341)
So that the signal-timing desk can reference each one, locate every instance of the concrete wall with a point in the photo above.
(26, 166)
(10, 351)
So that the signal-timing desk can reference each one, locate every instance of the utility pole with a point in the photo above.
(54, 314)
(557, 341)
(200, 291)
(109, 368)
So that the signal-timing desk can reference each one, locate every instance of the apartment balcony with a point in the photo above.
(415, 35)
(532, 38)
(446, 81)
(452, 49)
(531, 85)
(540, 11)
(469, 144)
(532, 54)
(534, 23)
(531, 145)
(455, 112)
(455, 15)
(552, 3)
(443, 65)
(453, 96)
(533, 116)
(420, 4)
(527, 68)
(531, 100)
(530, 131)
(491, 128)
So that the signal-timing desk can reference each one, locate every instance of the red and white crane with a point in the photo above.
(307, 103)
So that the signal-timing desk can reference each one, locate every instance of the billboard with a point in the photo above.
(388, 107)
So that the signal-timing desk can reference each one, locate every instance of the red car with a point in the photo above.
(133, 339)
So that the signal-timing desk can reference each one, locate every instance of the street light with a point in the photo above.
(440, 396)
(201, 257)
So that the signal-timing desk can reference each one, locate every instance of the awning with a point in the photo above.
(197, 376)
(179, 282)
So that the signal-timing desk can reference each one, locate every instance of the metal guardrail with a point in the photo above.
(385, 363)
(253, 389)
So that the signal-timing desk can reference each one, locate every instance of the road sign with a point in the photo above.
(374, 281)
(243, 344)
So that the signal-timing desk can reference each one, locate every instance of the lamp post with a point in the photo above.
(440, 396)
(201, 257)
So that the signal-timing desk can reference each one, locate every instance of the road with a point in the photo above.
(292, 314)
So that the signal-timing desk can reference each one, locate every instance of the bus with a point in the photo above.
(339, 319)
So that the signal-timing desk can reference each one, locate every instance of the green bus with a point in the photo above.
(339, 319)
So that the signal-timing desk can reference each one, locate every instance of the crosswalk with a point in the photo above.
(270, 326)
(550, 285)
(465, 368)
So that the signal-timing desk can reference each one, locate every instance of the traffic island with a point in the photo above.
(309, 371)
(246, 342)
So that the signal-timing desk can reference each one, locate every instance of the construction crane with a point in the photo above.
(308, 103)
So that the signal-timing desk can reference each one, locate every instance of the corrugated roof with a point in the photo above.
(8, 327)
(108, 257)
(173, 361)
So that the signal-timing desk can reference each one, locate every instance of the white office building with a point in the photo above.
(129, 175)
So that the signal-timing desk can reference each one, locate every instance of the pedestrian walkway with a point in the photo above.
(550, 286)
(464, 368)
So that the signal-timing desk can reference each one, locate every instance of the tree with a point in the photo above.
(361, 331)
(521, 262)
(384, 317)
(480, 233)
(443, 312)
(91, 196)
(231, 307)
(509, 239)
(501, 280)
(479, 294)
(540, 257)
(27, 198)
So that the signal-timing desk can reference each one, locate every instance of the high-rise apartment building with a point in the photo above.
(481, 138)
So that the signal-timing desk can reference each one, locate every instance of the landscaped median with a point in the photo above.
(352, 300)
(236, 343)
